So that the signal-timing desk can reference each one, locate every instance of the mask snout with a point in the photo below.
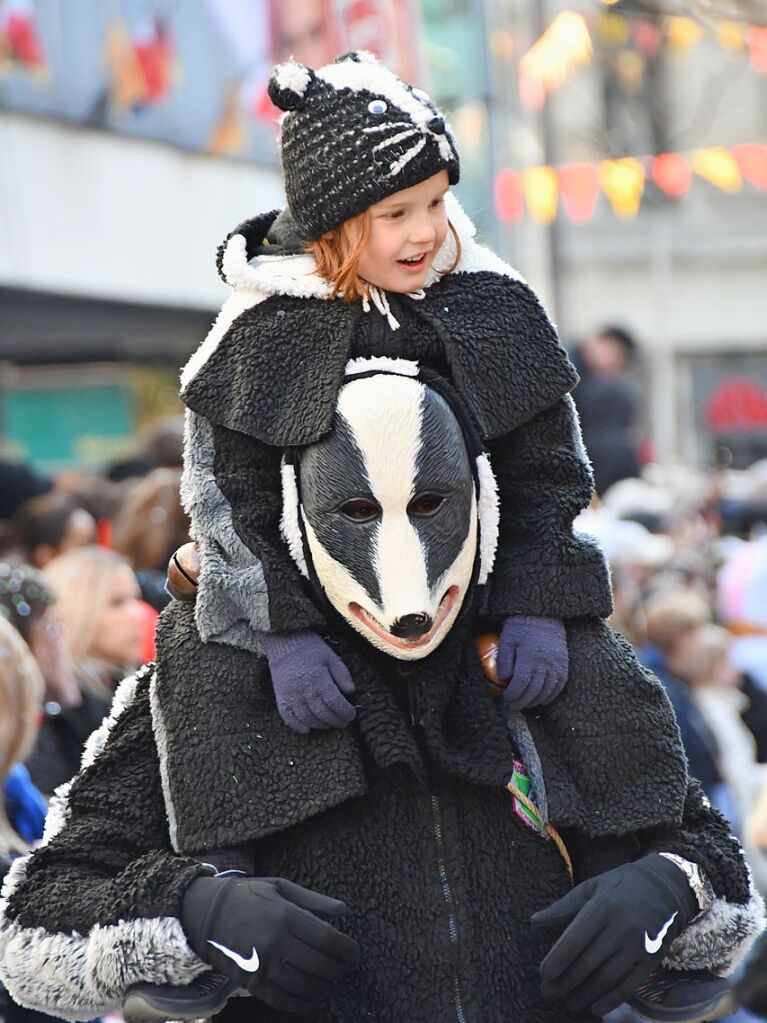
(412, 626)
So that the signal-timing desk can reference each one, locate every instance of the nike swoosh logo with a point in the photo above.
(653, 944)
(249, 965)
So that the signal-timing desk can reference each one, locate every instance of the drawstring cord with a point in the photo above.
(551, 831)
(381, 302)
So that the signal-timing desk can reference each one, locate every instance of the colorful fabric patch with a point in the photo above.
(521, 781)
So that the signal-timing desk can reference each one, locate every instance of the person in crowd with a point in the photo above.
(21, 696)
(160, 445)
(28, 602)
(741, 590)
(21, 481)
(672, 618)
(101, 620)
(607, 404)
(49, 525)
(150, 525)
(716, 685)
(22, 807)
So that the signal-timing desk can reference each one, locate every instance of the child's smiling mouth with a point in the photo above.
(414, 262)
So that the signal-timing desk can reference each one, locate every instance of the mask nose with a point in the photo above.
(411, 626)
(437, 125)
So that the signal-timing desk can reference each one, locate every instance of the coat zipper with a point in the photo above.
(452, 925)
(444, 880)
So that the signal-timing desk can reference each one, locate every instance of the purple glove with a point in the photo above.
(532, 657)
(308, 680)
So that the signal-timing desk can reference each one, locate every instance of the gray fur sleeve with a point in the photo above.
(95, 908)
(719, 938)
(249, 585)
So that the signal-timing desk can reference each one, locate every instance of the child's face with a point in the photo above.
(410, 223)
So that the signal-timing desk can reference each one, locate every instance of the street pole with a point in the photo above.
(554, 229)
(663, 369)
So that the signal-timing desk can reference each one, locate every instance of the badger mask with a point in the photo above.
(387, 513)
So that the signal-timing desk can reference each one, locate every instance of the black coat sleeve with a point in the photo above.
(96, 907)
(720, 937)
(544, 481)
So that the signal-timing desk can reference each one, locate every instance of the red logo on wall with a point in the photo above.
(738, 404)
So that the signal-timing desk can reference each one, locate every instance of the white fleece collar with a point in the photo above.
(294, 275)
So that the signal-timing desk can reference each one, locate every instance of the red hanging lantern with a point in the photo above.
(757, 46)
(579, 188)
(751, 157)
(509, 197)
(672, 174)
(648, 37)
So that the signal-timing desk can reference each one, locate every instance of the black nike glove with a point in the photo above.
(620, 924)
(263, 932)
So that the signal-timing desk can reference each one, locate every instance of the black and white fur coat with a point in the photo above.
(194, 755)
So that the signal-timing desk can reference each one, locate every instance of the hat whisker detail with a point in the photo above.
(395, 139)
(397, 166)
(386, 127)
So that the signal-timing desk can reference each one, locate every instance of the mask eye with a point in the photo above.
(425, 504)
(378, 106)
(361, 510)
(421, 95)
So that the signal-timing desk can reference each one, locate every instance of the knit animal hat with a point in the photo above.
(354, 133)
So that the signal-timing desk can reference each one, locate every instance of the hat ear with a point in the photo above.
(358, 56)
(288, 84)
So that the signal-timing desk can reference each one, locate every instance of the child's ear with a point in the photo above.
(288, 85)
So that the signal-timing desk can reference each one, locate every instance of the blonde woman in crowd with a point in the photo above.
(21, 694)
(101, 617)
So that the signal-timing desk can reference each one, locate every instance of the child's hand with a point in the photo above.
(533, 659)
(309, 681)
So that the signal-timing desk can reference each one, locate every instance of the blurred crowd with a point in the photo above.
(83, 562)
(83, 566)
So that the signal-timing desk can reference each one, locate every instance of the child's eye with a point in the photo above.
(395, 214)
(377, 106)
(437, 202)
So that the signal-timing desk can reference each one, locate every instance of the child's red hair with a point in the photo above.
(338, 253)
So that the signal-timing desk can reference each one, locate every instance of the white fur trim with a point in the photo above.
(293, 76)
(489, 511)
(289, 524)
(720, 938)
(577, 435)
(79, 978)
(233, 307)
(58, 809)
(161, 742)
(381, 364)
(295, 275)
